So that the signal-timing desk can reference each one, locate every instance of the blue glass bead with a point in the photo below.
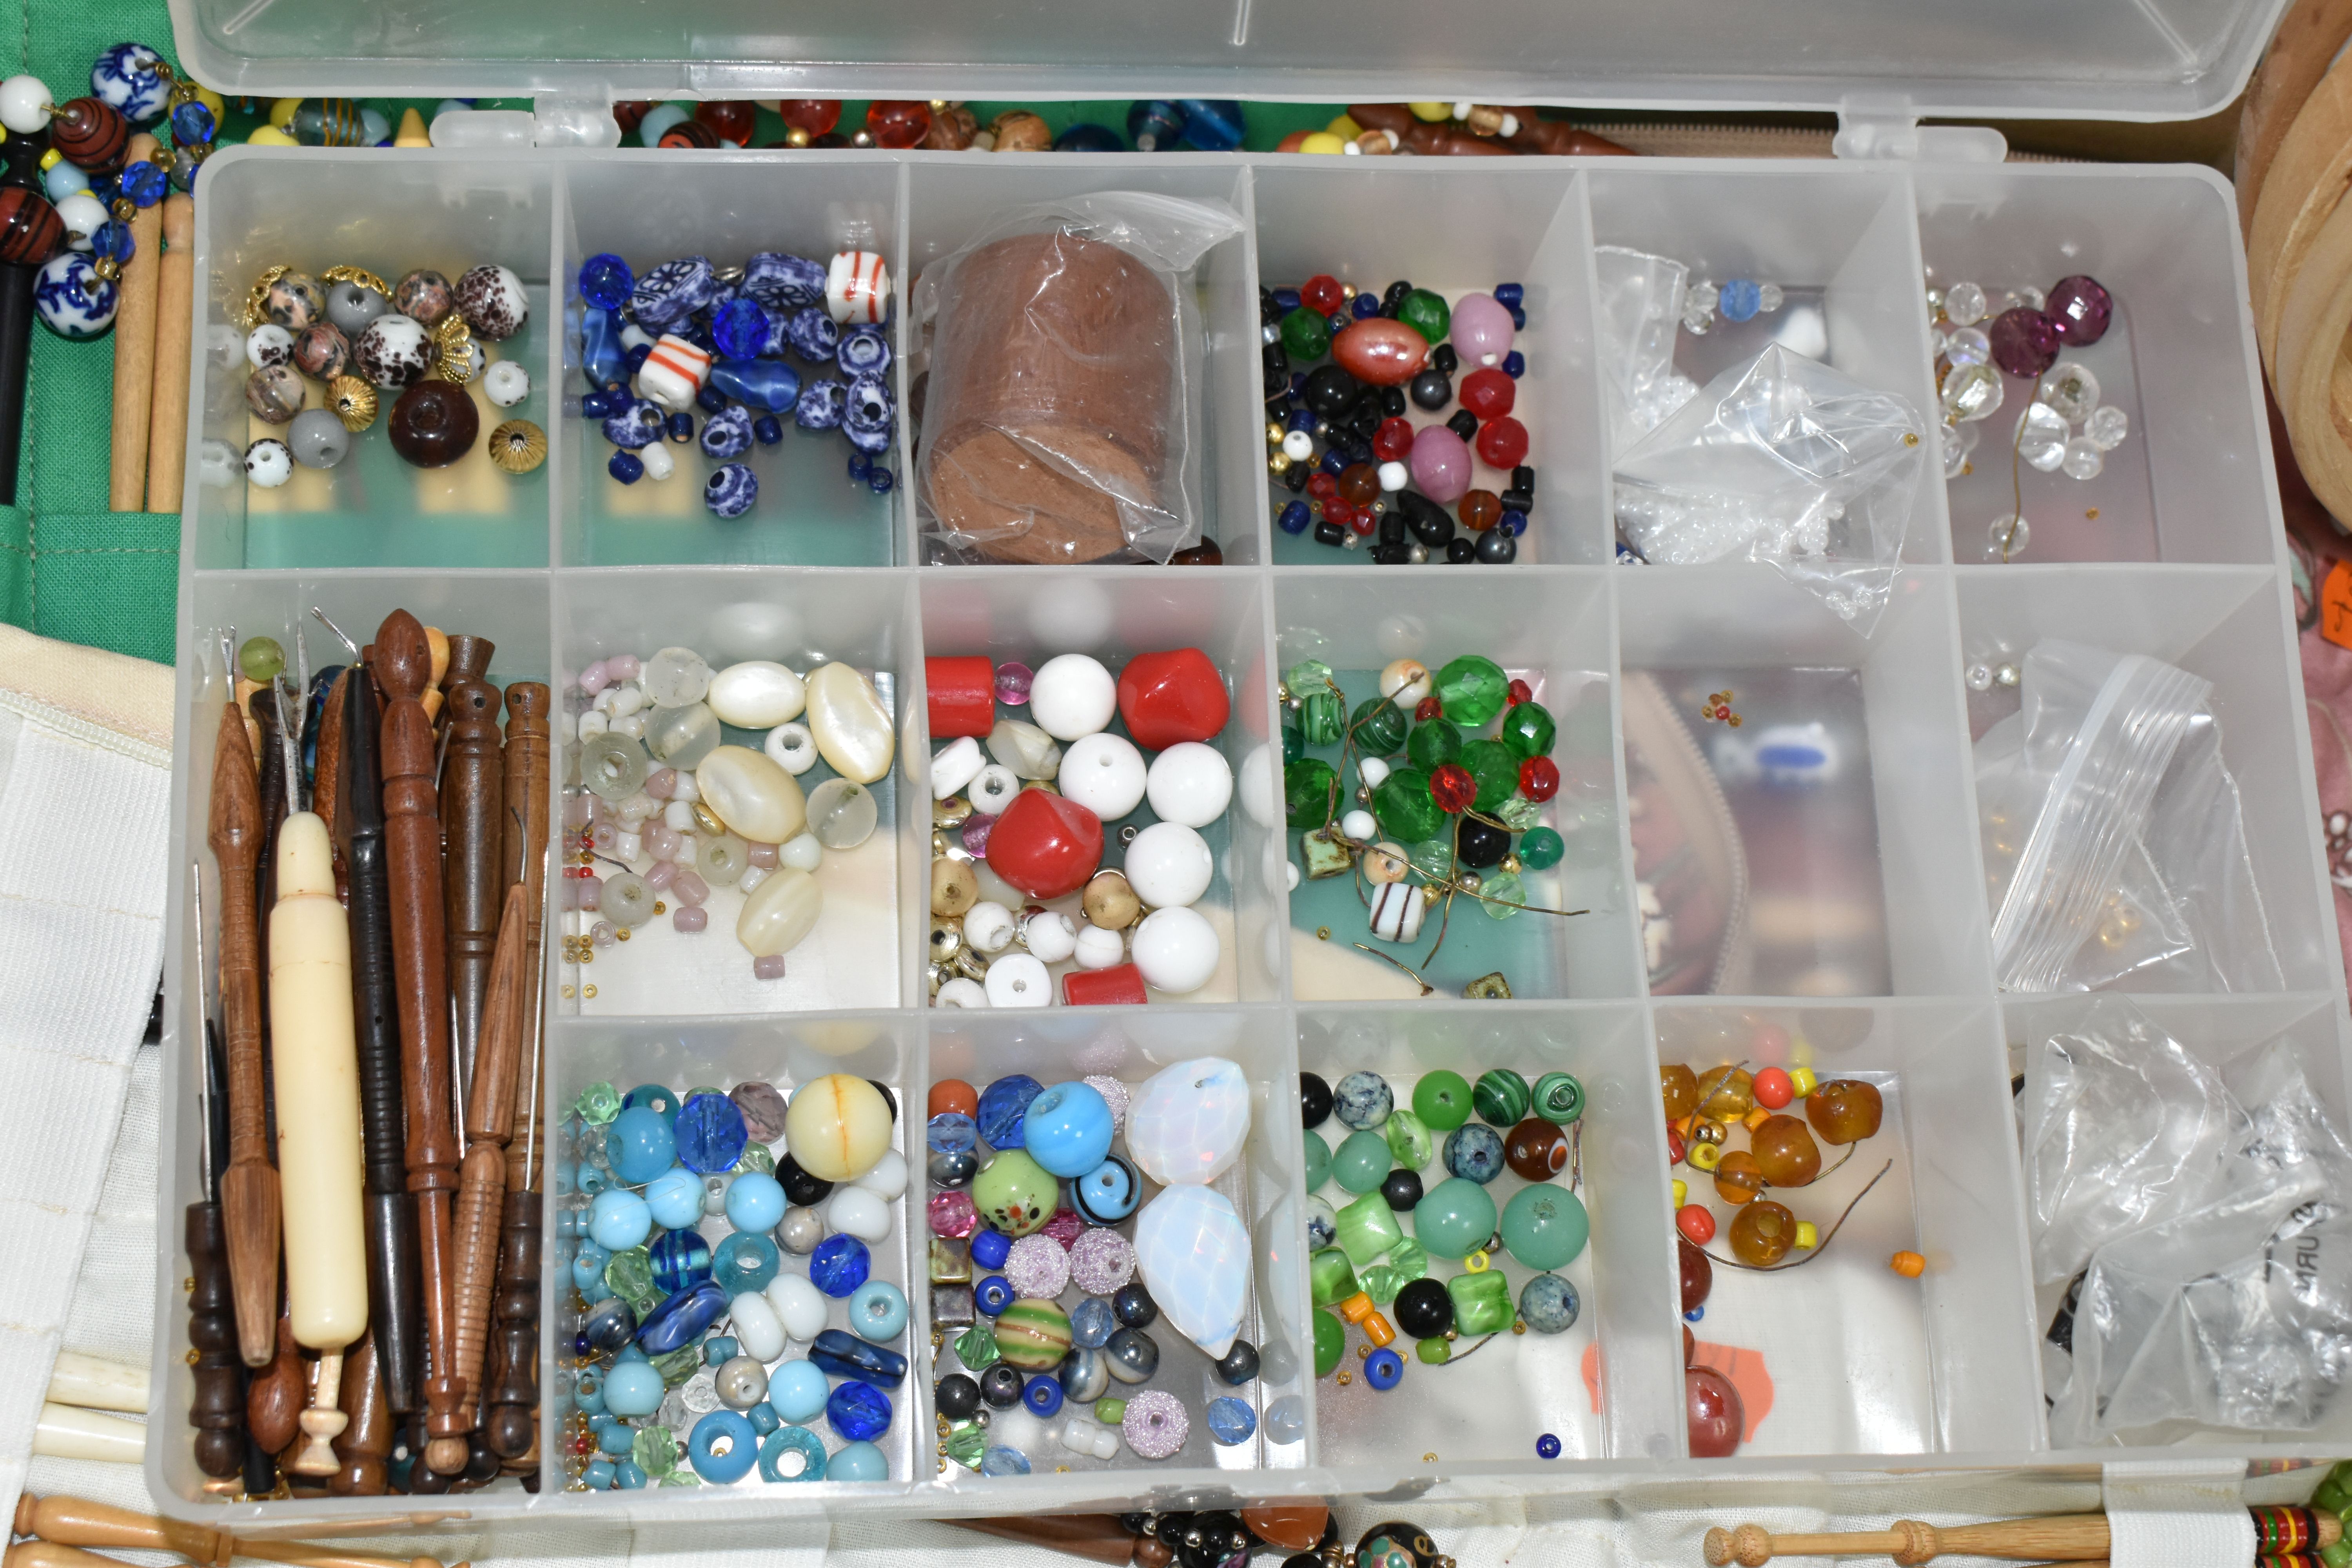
(696, 331)
(619, 1220)
(628, 1476)
(1155, 124)
(1474, 1152)
(1510, 294)
(603, 357)
(1739, 300)
(810, 333)
(822, 406)
(739, 329)
(745, 1261)
(1002, 1460)
(764, 1418)
(989, 1249)
(605, 281)
(633, 1390)
(1333, 462)
(860, 466)
(1365, 306)
(731, 490)
(1383, 1369)
(992, 1295)
(1085, 1376)
(764, 383)
(710, 400)
(680, 426)
(145, 184)
(755, 1201)
(1547, 1447)
(863, 351)
(877, 1311)
(65, 180)
(1091, 1323)
(1518, 318)
(641, 1145)
(617, 1440)
(1230, 1420)
(665, 296)
(113, 241)
(1515, 365)
(1548, 1304)
(858, 1411)
(1285, 299)
(723, 1447)
(783, 282)
(680, 1321)
(1107, 1194)
(596, 404)
(710, 1131)
(1088, 137)
(635, 359)
(1694, 1314)
(720, 1349)
(589, 1263)
(608, 1325)
(1295, 517)
(676, 1199)
(192, 124)
(768, 429)
(598, 1476)
(1043, 1395)
(950, 1132)
(681, 1259)
(636, 426)
(1211, 125)
(590, 1180)
(588, 1391)
(1067, 1129)
(839, 1265)
(1514, 523)
(791, 1441)
(1001, 1106)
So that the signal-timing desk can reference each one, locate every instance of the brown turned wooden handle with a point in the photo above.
(481, 1193)
(473, 809)
(512, 1404)
(529, 705)
(365, 1445)
(273, 1406)
(489, 1113)
(2081, 1537)
(326, 787)
(249, 1209)
(217, 1410)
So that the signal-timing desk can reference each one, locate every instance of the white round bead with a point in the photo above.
(1051, 935)
(506, 383)
(1373, 770)
(962, 993)
(992, 789)
(1393, 475)
(1169, 864)
(1071, 696)
(859, 1213)
(1261, 786)
(1098, 949)
(802, 853)
(1358, 824)
(757, 694)
(989, 926)
(792, 748)
(887, 1179)
(268, 463)
(81, 213)
(1297, 445)
(954, 765)
(1189, 783)
(1104, 773)
(800, 1306)
(1177, 950)
(1019, 980)
(592, 724)
(24, 104)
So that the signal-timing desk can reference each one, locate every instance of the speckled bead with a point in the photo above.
(731, 490)
(821, 404)
(423, 295)
(394, 351)
(1474, 1152)
(491, 299)
(1363, 1100)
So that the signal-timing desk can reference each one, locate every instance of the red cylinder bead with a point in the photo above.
(1171, 697)
(1045, 845)
(962, 695)
(1121, 985)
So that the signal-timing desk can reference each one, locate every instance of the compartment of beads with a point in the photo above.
(1889, 1244)
(726, 1312)
(723, 738)
(371, 507)
(1431, 1136)
(2180, 454)
(719, 482)
(1518, 891)
(1140, 1323)
(1112, 660)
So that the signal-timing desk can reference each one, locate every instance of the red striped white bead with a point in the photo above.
(857, 286)
(673, 373)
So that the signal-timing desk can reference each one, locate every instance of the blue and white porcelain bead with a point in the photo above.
(1474, 1152)
(783, 282)
(764, 383)
(665, 296)
(1362, 1101)
(728, 432)
(1322, 1225)
(73, 299)
(634, 427)
(863, 351)
(125, 77)
(1194, 1255)
(1187, 1123)
(821, 404)
(731, 490)
(871, 404)
(810, 333)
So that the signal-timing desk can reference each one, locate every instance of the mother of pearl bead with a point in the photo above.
(779, 913)
(852, 727)
(757, 694)
(748, 792)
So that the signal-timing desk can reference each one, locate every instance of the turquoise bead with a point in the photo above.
(1541, 849)
(676, 1199)
(796, 1392)
(1067, 1129)
(1319, 1159)
(641, 1145)
(632, 1389)
(723, 1447)
(755, 1201)
(1545, 1226)
(877, 1311)
(858, 1462)
(1454, 1218)
(619, 1220)
(1361, 1162)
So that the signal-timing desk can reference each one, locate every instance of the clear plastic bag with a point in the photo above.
(2112, 834)
(1641, 306)
(1786, 461)
(1063, 404)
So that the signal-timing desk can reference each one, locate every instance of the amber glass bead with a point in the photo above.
(1731, 1093)
(1360, 484)
(1698, 1273)
(1737, 1178)
(1536, 1150)
(1763, 1233)
(1785, 1151)
(1680, 1087)
(1480, 510)
(1844, 1111)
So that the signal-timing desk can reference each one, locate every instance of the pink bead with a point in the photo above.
(1155, 1426)
(605, 837)
(1481, 329)
(771, 967)
(763, 855)
(1036, 1267)
(624, 667)
(1101, 1261)
(661, 781)
(661, 841)
(596, 678)
(953, 1214)
(1012, 680)
(576, 811)
(2025, 343)
(690, 888)
(604, 934)
(690, 917)
(1064, 1227)
(588, 893)
(664, 873)
(1441, 465)
(976, 829)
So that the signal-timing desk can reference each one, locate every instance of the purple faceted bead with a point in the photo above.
(2080, 308)
(2025, 343)
(976, 829)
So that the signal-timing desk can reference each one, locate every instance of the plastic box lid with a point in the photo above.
(2122, 59)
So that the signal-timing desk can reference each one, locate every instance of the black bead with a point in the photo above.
(1460, 552)
(1401, 1189)
(1444, 357)
(1423, 1309)
(1479, 844)
(888, 1097)
(1330, 391)
(1391, 527)
(801, 1189)
(957, 1396)
(1278, 383)
(1134, 1523)
(1134, 1306)
(1329, 532)
(1269, 314)
(1523, 478)
(953, 1167)
(1430, 524)
(1314, 1100)
(1238, 1364)
(1432, 390)
(1001, 1386)
(1365, 419)
(1274, 360)
(1394, 294)
(1391, 554)
(1497, 548)
(1294, 479)
(1302, 1560)
(1170, 1527)
(1517, 500)
(1464, 424)
(1392, 403)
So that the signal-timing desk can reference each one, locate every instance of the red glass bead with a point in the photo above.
(1694, 1221)
(1322, 487)
(1487, 394)
(2025, 343)
(960, 696)
(1539, 778)
(1480, 510)
(1045, 845)
(1675, 1147)
(1359, 483)
(1503, 443)
(1520, 691)
(91, 134)
(733, 118)
(1362, 520)
(898, 122)
(1171, 696)
(1322, 293)
(1393, 441)
(629, 113)
(1380, 351)
(1120, 984)
(1452, 787)
(1428, 707)
(689, 133)
(1715, 1412)
(814, 115)
(1339, 511)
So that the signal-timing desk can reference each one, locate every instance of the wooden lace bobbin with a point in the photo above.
(2310, 378)
(2301, 52)
(2304, 185)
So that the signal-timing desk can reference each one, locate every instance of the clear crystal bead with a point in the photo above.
(1964, 304)
(1769, 296)
(2071, 390)
(2083, 460)
(1971, 391)
(1959, 440)
(1703, 298)
(2042, 438)
(1980, 676)
(2005, 675)
(2108, 426)
(1968, 347)
(2032, 298)
(1696, 322)
(2007, 538)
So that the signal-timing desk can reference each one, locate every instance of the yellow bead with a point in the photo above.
(1681, 1192)
(836, 1127)
(1322, 141)
(1345, 129)
(269, 136)
(51, 159)
(211, 100)
(1432, 111)
(1478, 1262)
(411, 131)
(1704, 1156)
(281, 112)
(1808, 1235)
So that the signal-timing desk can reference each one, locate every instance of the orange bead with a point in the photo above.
(1756, 1117)
(1737, 1178)
(1773, 1089)
(1762, 1234)
(1909, 1265)
(1694, 1221)
(1785, 1151)
(953, 1095)
(1845, 1111)
(1480, 510)
(1357, 1308)
(1376, 1329)
(1360, 484)
(1680, 1087)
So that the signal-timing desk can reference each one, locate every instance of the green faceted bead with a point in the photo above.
(1519, 814)
(1368, 1227)
(1379, 726)
(1381, 1284)
(1472, 690)
(1504, 891)
(678, 1365)
(1331, 1344)
(1014, 1193)
(976, 1348)
(1109, 1411)
(1408, 1137)
(1306, 791)
(1307, 675)
(1557, 1098)
(1541, 849)
(1528, 731)
(1319, 1159)
(1294, 744)
(1434, 858)
(967, 1441)
(1497, 773)
(1427, 314)
(1361, 1161)
(681, 1477)
(261, 660)
(1501, 1098)
(1436, 1351)
(1482, 1301)
(655, 1450)
(757, 1157)
(1306, 335)
(1332, 1278)
(1545, 1226)
(1433, 744)
(599, 1103)
(1403, 808)
(1442, 1100)
(1322, 718)
(1410, 1259)
(630, 1275)
(1454, 1218)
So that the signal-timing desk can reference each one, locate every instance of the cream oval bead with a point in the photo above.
(857, 1212)
(757, 694)
(802, 853)
(956, 764)
(753, 796)
(887, 1179)
(758, 1327)
(779, 913)
(851, 726)
(1072, 695)
(1026, 749)
(800, 1306)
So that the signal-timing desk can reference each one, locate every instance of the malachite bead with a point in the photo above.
(1410, 1259)
(1442, 1100)
(1360, 1161)
(1541, 849)
(1557, 1097)
(1454, 1218)
(1482, 1301)
(1379, 725)
(1503, 893)
(1306, 335)
(1306, 791)
(1408, 1140)
(1501, 1098)
(1319, 1159)
(1331, 1344)
(1403, 806)
(1435, 1351)
(1433, 744)
(976, 1348)
(967, 1441)
(1322, 718)
(1471, 690)
(1332, 1278)
(1519, 814)
(1528, 731)
(1497, 773)
(1368, 1227)
(1545, 1226)
(1425, 312)
(1014, 1193)
(1307, 675)
(1294, 744)
(599, 1103)
(1381, 1284)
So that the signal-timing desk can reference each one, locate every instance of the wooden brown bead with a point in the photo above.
(433, 423)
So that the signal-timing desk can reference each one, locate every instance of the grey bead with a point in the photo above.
(1085, 1376)
(801, 1231)
(954, 1168)
(318, 438)
(742, 1383)
(351, 306)
(1131, 1355)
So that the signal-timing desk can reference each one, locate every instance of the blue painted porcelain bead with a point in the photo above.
(821, 404)
(745, 1261)
(858, 1462)
(73, 299)
(845, 1355)
(1067, 1129)
(641, 1145)
(797, 1392)
(768, 429)
(755, 1201)
(877, 1311)
(731, 490)
(626, 466)
(1362, 1099)
(1548, 1304)
(124, 78)
(681, 1259)
(1003, 1104)
(791, 1454)
(677, 1322)
(605, 281)
(863, 351)
(665, 296)
(764, 383)
(1474, 1152)
(858, 1411)
(868, 418)
(950, 1132)
(680, 426)
(993, 1295)
(722, 1446)
(839, 1265)
(989, 1249)
(739, 329)
(1092, 1323)
(619, 1220)
(783, 282)
(710, 1131)
(1107, 1194)
(1043, 1395)
(634, 425)
(676, 1199)
(728, 432)
(813, 334)
(1230, 1420)
(1295, 517)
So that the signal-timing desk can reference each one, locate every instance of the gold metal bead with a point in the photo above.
(1510, 864)
(457, 361)
(353, 401)
(1274, 433)
(1277, 463)
(589, 992)
(517, 446)
(257, 299)
(952, 812)
(707, 819)
(796, 136)
(1344, 1379)
(660, 908)
(359, 275)
(621, 935)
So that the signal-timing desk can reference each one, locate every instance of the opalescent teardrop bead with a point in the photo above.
(1194, 1255)
(1186, 1123)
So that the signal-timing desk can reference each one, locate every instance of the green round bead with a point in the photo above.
(1402, 807)
(1427, 314)
(1541, 849)
(1319, 1159)
(261, 660)
(1433, 744)
(630, 1275)
(1454, 1218)
(1545, 1226)
(1436, 1352)
(1379, 726)
(1528, 731)
(1322, 718)
(1471, 690)
(758, 1157)
(1559, 1098)
(1014, 1193)
(1331, 1344)
(599, 1104)
(1110, 1411)
(1358, 1164)
(1501, 1098)
(1330, 1278)
(1294, 744)
(1503, 893)
(1408, 1139)
(1307, 675)
(1442, 1100)
(1307, 791)
(1305, 334)
(1410, 1259)
(1497, 773)
(1033, 1335)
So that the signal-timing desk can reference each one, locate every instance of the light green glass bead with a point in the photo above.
(599, 1103)
(1503, 892)
(976, 1348)
(1332, 1278)
(1519, 813)
(1381, 1284)
(678, 1365)
(1454, 1218)
(1442, 1099)
(1434, 858)
(1471, 690)
(261, 659)
(757, 1157)
(1368, 1227)
(1436, 1351)
(683, 1475)
(1408, 1139)
(1319, 1159)
(1410, 1259)
(1361, 1161)
(630, 1275)
(1307, 675)
(1482, 1301)
(1109, 1411)
(1545, 1226)
(656, 1450)
(967, 1441)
